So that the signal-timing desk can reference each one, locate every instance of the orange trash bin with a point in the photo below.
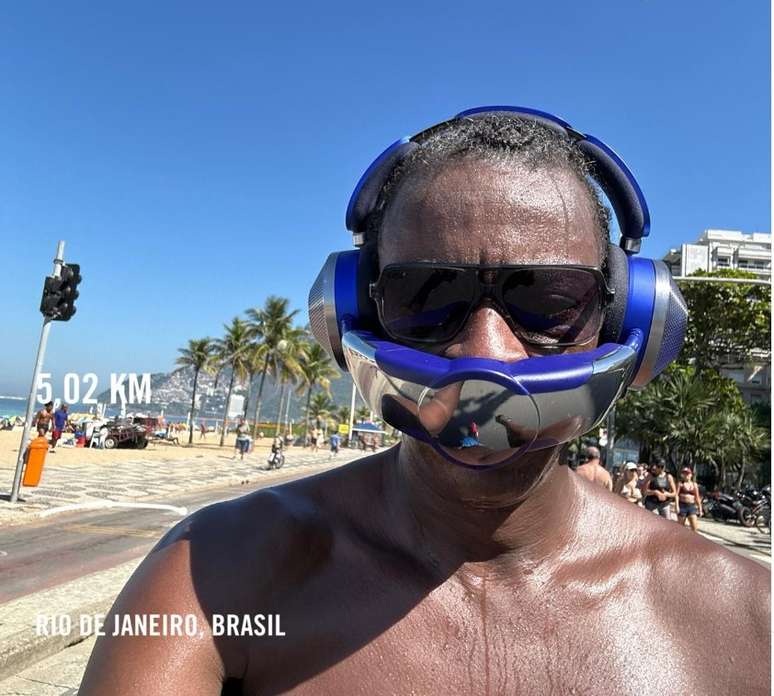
(36, 456)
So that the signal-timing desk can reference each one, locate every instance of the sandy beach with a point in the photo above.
(155, 451)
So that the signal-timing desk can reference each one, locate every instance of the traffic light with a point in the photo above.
(59, 294)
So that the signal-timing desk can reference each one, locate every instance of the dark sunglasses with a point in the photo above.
(544, 305)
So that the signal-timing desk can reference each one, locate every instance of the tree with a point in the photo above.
(232, 352)
(692, 417)
(320, 407)
(289, 353)
(269, 326)
(316, 369)
(254, 360)
(725, 319)
(197, 356)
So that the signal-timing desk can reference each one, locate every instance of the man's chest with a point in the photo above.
(452, 642)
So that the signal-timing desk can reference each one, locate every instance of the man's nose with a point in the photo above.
(486, 334)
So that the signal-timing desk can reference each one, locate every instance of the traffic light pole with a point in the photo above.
(58, 261)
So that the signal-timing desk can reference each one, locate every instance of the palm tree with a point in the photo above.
(197, 356)
(363, 413)
(254, 358)
(269, 325)
(290, 351)
(316, 369)
(320, 407)
(232, 352)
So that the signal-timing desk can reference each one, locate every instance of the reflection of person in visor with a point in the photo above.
(405, 573)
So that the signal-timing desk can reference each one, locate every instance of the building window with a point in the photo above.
(723, 261)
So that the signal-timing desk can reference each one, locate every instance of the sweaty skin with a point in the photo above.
(402, 573)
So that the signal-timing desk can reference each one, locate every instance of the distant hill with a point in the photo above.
(171, 392)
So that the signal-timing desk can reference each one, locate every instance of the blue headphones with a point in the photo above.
(646, 298)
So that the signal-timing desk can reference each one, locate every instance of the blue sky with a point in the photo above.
(198, 157)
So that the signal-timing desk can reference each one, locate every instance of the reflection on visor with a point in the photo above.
(488, 419)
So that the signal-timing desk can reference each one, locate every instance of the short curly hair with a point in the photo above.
(498, 138)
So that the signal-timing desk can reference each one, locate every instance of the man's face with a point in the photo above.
(473, 212)
(49, 408)
(478, 213)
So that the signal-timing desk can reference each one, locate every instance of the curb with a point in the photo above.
(25, 648)
(21, 646)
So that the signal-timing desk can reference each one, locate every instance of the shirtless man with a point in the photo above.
(593, 471)
(42, 419)
(405, 573)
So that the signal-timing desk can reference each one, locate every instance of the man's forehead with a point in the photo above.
(476, 212)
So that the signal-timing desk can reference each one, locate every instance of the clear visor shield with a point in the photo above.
(488, 417)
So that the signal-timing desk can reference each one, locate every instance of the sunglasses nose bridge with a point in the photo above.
(487, 334)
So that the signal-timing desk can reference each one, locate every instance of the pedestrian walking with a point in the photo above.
(660, 492)
(593, 471)
(627, 485)
(60, 422)
(42, 419)
(689, 500)
(335, 441)
(242, 444)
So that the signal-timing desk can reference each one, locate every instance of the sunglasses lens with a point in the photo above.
(424, 304)
(554, 306)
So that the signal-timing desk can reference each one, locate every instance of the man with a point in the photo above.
(660, 494)
(60, 422)
(42, 419)
(404, 572)
(242, 442)
(593, 471)
(335, 442)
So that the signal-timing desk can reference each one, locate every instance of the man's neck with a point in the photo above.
(491, 520)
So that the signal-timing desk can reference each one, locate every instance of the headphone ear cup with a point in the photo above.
(333, 300)
(617, 265)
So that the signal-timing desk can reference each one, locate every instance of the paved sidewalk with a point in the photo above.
(92, 483)
(735, 535)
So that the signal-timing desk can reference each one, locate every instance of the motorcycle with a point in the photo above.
(752, 506)
(276, 460)
(722, 506)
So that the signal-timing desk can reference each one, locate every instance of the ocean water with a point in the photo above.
(12, 407)
(18, 407)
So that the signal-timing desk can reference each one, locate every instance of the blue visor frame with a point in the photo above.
(518, 407)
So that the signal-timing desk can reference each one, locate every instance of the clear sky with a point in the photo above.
(197, 157)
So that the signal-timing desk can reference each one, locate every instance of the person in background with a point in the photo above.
(642, 476)
(202, 431)
(42, 419)
(627, 484)
(660, 492)
(60, 421)
(313, 439)
(689, 500)
(335, 442)
(593, 471)
(242, 444)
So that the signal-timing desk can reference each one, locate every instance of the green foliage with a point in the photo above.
(725, 319)
(691, 417)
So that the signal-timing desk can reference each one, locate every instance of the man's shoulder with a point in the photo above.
(262, 534)
(702, 573)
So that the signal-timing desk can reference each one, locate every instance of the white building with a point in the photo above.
(717, 249)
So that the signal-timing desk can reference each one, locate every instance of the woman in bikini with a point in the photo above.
(689, 499)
